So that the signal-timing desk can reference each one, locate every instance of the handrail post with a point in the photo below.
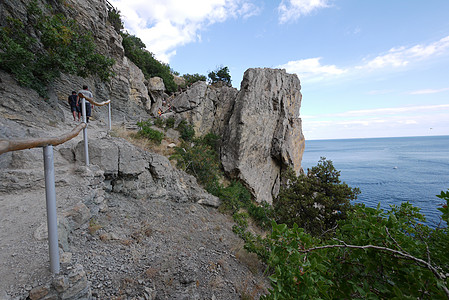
(109, 116)
(86, 147)
(52, 223)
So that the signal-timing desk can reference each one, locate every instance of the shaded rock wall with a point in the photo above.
(264, 134)
(260, 126)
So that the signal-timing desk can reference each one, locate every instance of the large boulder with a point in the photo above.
(264, 134)
(156, 84)
(140, 174)
(206, 108)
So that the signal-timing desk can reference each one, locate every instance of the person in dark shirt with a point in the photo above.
(86, 93)
(74, 106)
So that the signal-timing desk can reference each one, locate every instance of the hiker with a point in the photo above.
(86, 93)
(74, 106)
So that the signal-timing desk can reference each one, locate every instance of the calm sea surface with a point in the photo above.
(389, 170)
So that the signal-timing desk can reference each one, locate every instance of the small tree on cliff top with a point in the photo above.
(221, 74)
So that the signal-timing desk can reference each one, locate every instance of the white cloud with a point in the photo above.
(395, 121)
(312, 70)
(291, 10)
(428, 91)
(387, 111)
(403, 56)
(311, 67)
(164, 25)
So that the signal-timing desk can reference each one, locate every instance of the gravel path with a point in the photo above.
(132, 249)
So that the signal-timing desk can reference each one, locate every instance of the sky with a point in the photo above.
(368, 68)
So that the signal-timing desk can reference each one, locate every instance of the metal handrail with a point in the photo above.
(92, 101)
(14, 145)
(50, 191)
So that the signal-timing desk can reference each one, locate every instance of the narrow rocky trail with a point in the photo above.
(158, 246)
(24, 257)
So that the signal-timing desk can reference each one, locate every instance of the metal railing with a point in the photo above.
(49, 170)
(83, 104)
(50, 191)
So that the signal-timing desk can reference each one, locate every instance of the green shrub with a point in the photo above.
(186, 130)
(170, 122)
(234, 197)
(375, 254)
(115, 19)
(212, 140)
(201, 161)
(221, 74)
(159, 122)
(191, 79)
(149, 133)
(66, 47)
(262, 214)
(150, 66)
(315, 201)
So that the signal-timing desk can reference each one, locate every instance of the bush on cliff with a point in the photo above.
(150, 66)
(191, 79)
(221, 74)
(151, 134)
(369, 254)
(315, 201)
(38, 51)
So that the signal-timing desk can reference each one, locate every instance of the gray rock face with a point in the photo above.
(206, 108)
(137, 173)
(264, 134)
(156, 84)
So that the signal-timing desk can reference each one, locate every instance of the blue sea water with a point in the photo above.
(389, 170)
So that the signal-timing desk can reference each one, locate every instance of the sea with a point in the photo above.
(389, 170)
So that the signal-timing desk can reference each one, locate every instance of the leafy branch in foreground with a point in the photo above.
(374, 254)
(371, 253)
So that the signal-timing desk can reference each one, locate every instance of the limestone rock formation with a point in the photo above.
(206, 108)
(134, 172)
(264, 134)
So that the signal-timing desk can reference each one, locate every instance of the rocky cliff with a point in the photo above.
(158, 231)
(260, 126)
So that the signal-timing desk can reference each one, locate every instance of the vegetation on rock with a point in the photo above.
(38, 51)
(221, 74)
(150, 66)
(315, 201)
(191, 79)
(146, 131)
(365, 253)
(115, 19)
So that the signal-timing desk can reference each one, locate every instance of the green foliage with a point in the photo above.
(221, 74)
(65, 47)
(149, 133)
(297, 275)
(150, 66)
(445, 207)
(170, 122)
(186, 130)
(159, 122)
(374, 254)
(201, 161)
(115, 19)
(234, 197)
(191, 79)
(263, 214)
(315, 201)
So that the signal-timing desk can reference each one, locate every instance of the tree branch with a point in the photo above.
(401, 254)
